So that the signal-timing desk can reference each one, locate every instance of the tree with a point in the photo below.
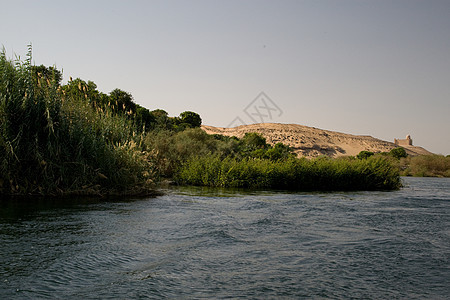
(162, 119)
(47, 73)
(253, 141)
(122, 101)
(80, 89)
(398, 152)
(191, 118)
(144, 118)
(364, 154)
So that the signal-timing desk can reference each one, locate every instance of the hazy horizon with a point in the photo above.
(378, 68)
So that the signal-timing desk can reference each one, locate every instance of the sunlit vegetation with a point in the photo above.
(398, 152)
(72, 139)
(418, 166)
(54, 141)
(172, 150)
(375, 173)
(426, 166)
(192, 157)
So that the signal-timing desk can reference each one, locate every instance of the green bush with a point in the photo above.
(374, 173)
(398, 152)
(171, 148)
(364, 154)
(278, 152)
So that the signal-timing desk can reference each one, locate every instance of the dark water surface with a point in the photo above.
(209, 243)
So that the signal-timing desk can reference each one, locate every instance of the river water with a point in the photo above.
(213, 243)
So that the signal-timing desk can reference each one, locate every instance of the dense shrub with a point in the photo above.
(373, 173)
(426, 166)
(398, 152)
(196, 158)
(170, 149)
(364, 154)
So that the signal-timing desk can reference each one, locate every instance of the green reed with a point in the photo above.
(51, 143)
(321, 174)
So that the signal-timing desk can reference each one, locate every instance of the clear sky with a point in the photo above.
(379, 68)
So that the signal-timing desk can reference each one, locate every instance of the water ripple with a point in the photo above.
(211, 243)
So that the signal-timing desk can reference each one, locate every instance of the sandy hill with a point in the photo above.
(312, 142)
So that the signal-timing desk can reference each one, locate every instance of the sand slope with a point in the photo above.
(313, 142)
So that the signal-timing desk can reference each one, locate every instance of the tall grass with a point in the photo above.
(426, 166)
(56, 144)
(194, 158)
(374, 173)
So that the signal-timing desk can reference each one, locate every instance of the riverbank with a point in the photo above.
(62, 140)
(72, 140)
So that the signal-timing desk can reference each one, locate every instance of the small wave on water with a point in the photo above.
(212, 243)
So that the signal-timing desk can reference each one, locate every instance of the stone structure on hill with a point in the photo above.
(405, 142)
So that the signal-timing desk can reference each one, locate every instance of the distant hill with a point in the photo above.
(312, 142)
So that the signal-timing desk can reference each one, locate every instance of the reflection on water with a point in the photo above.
(218, 243)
